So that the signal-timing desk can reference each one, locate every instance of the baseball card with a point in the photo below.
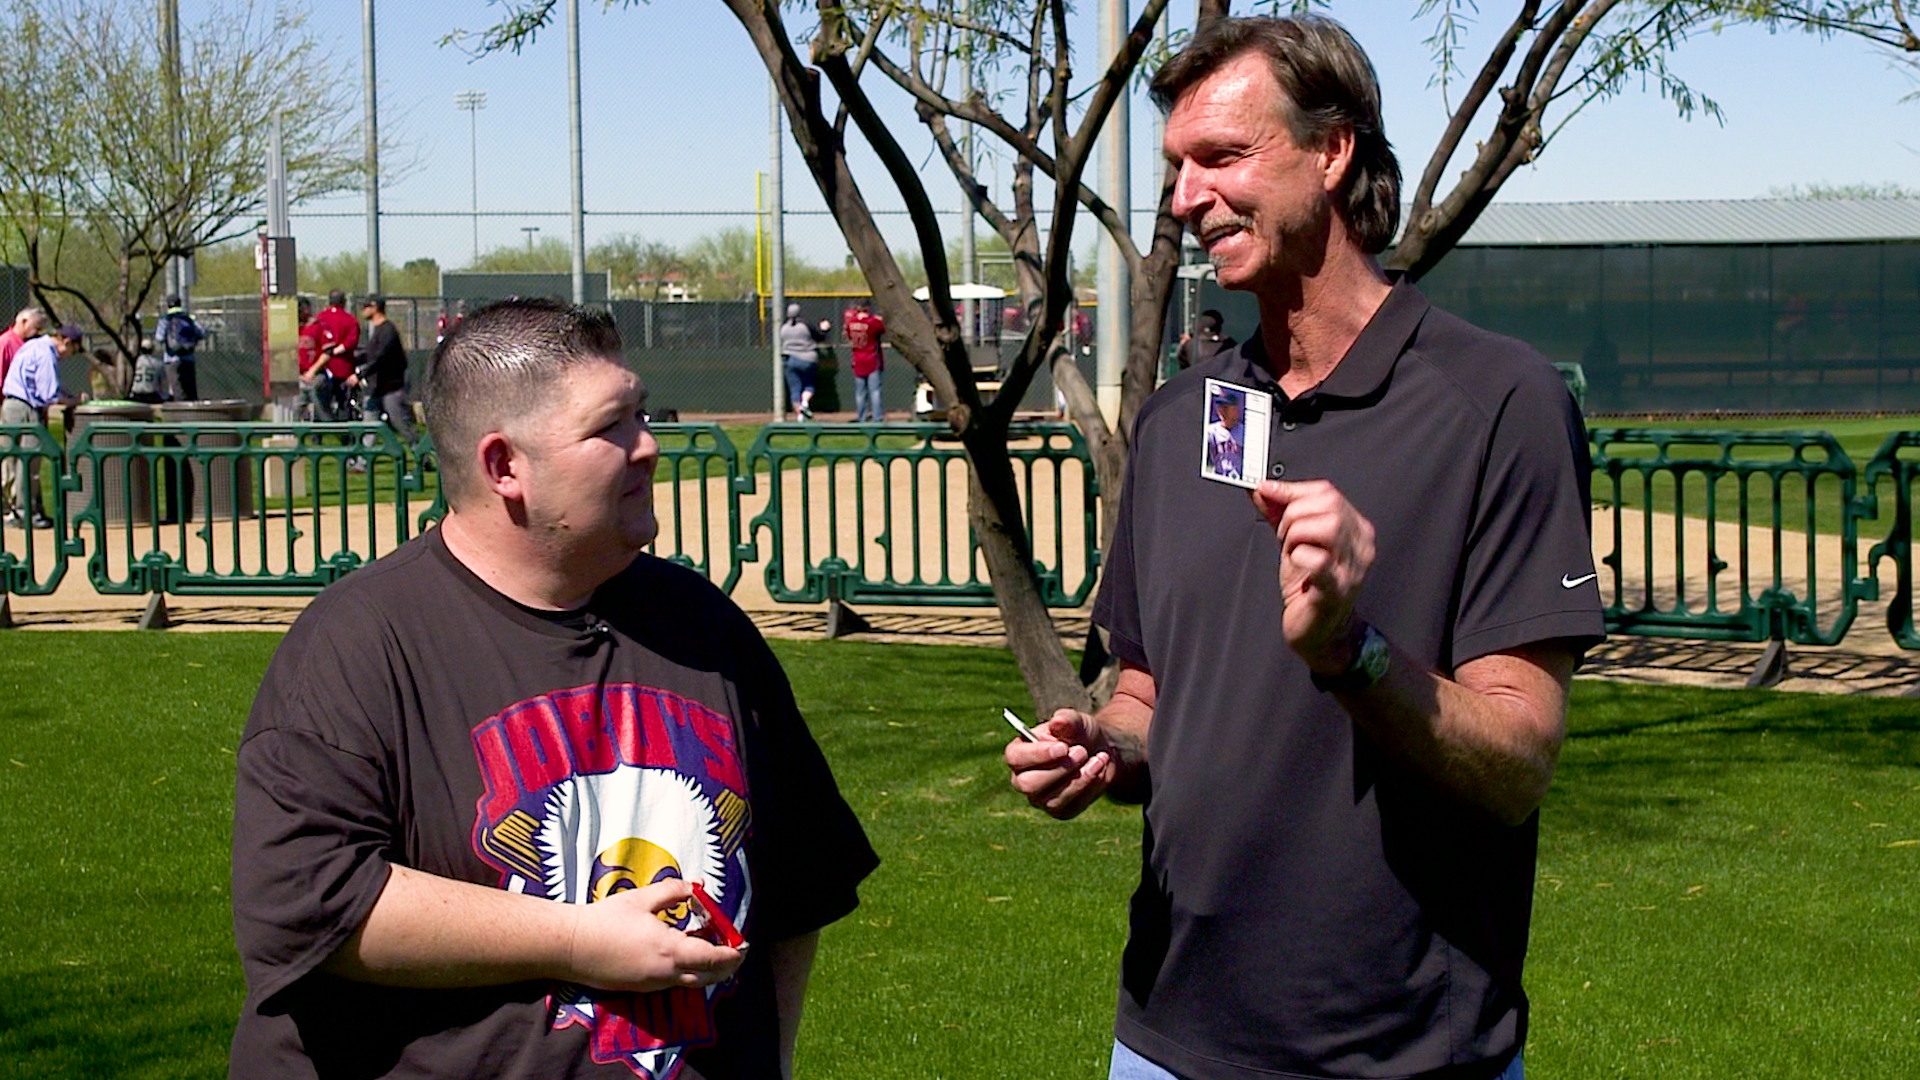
(1234, 434)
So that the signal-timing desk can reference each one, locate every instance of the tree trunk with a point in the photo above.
(993, 509)
(933, 345)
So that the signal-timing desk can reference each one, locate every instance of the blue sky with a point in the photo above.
(676, 119)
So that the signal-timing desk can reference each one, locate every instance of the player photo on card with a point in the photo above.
(1233, 445)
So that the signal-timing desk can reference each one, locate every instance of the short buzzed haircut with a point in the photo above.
(336, 298)
(502, 363)
(1329, 83)
(32, 316)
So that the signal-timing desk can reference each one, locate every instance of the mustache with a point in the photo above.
(1221, 221)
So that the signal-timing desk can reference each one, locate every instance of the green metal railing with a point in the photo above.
(836, 529)
(1673, 496)
(1897, 466)
(236, 509)
(1708, 535)
(33, 560)
(699, 468)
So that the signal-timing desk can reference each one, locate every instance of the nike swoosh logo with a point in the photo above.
(1569, 582)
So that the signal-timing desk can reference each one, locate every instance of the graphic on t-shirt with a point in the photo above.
(590, 793)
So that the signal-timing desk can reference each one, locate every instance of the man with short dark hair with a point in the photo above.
(503, 791)
(31, 387)
(1342, 705)
(382, 368)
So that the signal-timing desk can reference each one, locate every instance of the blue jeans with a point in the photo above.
(800, 375)
(866, 397)
(1128, 1065)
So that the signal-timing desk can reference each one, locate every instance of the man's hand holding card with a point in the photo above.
(1326, 548)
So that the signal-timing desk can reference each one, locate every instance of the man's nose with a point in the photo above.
(1188, 191)
(646, 448)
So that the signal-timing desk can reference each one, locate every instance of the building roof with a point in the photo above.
(1729, 221)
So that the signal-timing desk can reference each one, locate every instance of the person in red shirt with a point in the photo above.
(29, 324)
(312, 365)
(864, 330)
(339, 337)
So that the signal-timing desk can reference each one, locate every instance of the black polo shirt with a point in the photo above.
(1306, 907)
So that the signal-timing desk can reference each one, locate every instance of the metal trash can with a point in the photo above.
(126, 481)
(222, 487)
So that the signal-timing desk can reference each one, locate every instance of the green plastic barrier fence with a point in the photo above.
(33, 559)
(1900, 471)
(1776, 509)
(237, 508)
(698, 476)
(876, 513)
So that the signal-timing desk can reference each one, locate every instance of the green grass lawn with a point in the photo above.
(1725, 877)
(673, 444)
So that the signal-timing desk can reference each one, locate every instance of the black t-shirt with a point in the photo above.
(415, 716)
(1306, 907)
(386, 361)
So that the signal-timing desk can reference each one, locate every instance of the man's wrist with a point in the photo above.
(1368, 658)
(1343, 646)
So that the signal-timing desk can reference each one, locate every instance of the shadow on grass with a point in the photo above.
(165, 1024)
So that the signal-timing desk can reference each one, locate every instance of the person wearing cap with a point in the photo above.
(1342, 694)
(382, 367)
(149, 383)
(1205, 342)
(179, 337)
(32, 386)
(800, 348)
(1226, 437)
(865, 333)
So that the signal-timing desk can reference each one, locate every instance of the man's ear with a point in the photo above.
(1336, 159)
(501, 466)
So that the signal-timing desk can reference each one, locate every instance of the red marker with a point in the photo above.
(717, 922)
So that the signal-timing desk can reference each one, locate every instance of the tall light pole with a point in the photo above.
(1115, 327)
(176, 272)
(529, 230)
(471, 102)
(777, 239)
(969, 258)
(578, 186)
(372, 131)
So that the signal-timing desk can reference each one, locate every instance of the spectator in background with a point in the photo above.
(179, 337)
(864, 330)
(29, 324)
(800, 347)
(1205, 341)
(339, 341)
(149, 385)
(449, 318)
(318, 392)
(32, 385)
(383, 369)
